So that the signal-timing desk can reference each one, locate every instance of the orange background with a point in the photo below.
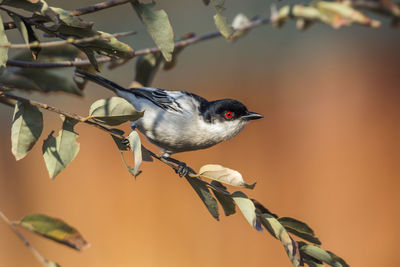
(327, 151)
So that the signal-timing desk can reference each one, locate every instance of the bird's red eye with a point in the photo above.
(228, 114)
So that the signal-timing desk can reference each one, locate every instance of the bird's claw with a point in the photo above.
(182, 170)
(125, 142)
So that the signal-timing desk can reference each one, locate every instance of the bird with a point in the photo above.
(179, 121)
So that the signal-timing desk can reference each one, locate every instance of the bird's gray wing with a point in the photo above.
(159, 97)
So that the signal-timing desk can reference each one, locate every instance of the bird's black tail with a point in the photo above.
(99, 80)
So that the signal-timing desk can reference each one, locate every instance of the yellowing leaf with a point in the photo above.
(54, 229)
(136, 146)
(277, 230)
(247, 208)
(322, 255)
(3, 50)
(224, 175)
(239, 21)
(27, 126)
(113, 111)
(59, 152)
(158, 26)
(223, 26)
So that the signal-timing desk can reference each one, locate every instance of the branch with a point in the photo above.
(65, 113)
(67, 41)
(77, 12)
(183, 43)
(36, 253)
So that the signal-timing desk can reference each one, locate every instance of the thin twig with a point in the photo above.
(77, 12)
(183, 43)
(67, 41)
(34, 251)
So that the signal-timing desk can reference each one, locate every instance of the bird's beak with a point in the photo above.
(252, 116)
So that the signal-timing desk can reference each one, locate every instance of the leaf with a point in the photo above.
(223, 26)
(322, 255)
(59, 152)
(3, 50)
(51, 54)
(158, 26)
(205, 195)
(114, 111)
(39, 80)
(121, 145)
(224, 175)
(106, 44)
(169, 65)
(136, 146)
(146, 67)
(299, 229)
(74, 21)
(335, 14)
(27, 33)
(278, 231)
(54, 229)
(247, 208)
(52, 264)
(226, 201)
(27, 126)
(239, 21)
(36, 6)
(261, 209)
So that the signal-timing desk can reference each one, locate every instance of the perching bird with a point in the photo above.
(179, 121)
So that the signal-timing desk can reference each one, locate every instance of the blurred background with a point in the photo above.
(327, 151)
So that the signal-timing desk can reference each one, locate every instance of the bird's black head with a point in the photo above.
(227, 110)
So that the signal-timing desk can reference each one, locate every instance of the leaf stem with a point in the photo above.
(34, 251)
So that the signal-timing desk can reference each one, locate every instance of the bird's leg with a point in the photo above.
(183, 169)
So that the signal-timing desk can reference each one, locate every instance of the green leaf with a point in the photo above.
(59, 152)
(146, 67)
(27, 126)
(3, 50)
(51, 54)
(54, 229)
(226, 201)
(278, 231)
(299, 229)
(247, 208)
(114, 111)
(36, 6)
(136, 147)
(74, 21)
(223, 175)
(106, 44)
(322, 255)
(158, 26)
(121, 145)
(27, 33)
(39, 80)
(205, 195)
